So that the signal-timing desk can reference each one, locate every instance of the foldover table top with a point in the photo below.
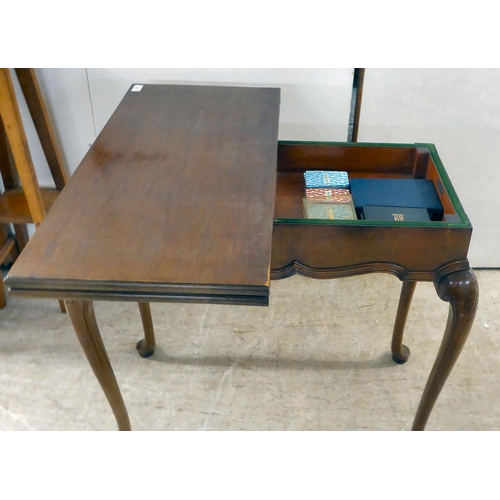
(174, 200)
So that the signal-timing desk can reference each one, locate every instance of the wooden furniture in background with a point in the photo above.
(23, 200)
(9, 250)
(197, 172)
(38, 111)
(359, 74)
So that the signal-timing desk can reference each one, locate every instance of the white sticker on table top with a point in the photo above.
(137, 88)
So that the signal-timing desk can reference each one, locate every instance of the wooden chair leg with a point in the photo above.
(146, 346)
(22, 236)
(4, 252)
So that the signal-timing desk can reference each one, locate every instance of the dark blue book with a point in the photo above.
(395, 214)
(411, 193)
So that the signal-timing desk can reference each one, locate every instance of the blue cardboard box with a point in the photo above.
(411, 193)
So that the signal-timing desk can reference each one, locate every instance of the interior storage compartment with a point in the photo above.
(358, 160)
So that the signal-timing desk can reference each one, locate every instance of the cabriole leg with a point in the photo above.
(401, 353)
(81, 313)
(461, 290)
(146, 346)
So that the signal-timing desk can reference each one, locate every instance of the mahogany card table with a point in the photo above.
(187, 196)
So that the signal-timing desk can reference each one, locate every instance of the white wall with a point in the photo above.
(315, 103)
(67, 97)
(459, 111)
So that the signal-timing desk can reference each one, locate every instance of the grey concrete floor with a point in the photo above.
(318, 358)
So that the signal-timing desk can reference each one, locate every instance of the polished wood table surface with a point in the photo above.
(187, 196)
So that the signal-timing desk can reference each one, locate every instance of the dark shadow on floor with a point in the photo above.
(250, 362)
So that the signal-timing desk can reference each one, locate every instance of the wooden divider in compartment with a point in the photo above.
(394, 162)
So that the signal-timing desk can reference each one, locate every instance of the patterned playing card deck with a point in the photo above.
(327, 195)
(314, 209)
(335, 194)
(326, 179)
